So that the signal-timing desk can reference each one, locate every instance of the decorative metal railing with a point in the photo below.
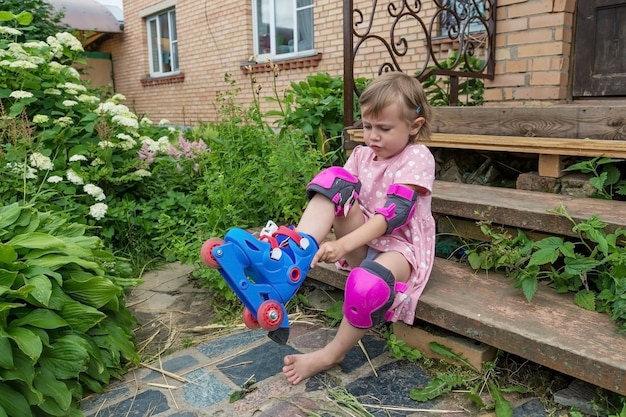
(468, 26)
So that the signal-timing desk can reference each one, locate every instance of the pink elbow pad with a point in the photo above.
(338, 185)
(399, 208)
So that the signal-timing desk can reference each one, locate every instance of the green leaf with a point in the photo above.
(13, 402)
(51, 387)
(7, 278)
(543, 256)
(80, 317)
(56, 261)
(599, 181)
(613, 174)
(579, 266)
(474, 260)
(567, 249)
(6, 16)
(95, 292)
(9, 215)
(67, 357)
(7, 254)
(585, 299)
(42, 318)
(27, 341)
(24, 18)
(475, 398)
(503, 407)
(36, 240)
(448, 353)
(529, 287)
(42, 288)
(6, 353)
(435, 388)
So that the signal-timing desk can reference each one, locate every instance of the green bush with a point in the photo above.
(64, 327)
(315, 106)
(65, 150)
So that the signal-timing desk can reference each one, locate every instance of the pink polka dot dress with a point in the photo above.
(415, 165)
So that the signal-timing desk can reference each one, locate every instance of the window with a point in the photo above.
(162, 43)
(282, 28)
(463, 16)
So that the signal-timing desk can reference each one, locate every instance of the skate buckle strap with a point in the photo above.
(400, 289)
(270, 234)
(302, 242)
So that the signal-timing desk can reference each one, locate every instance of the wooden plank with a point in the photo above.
(524, 209)
(488, 309)
(551, 330)
(550, 166)
(559, 121)
(520, 144)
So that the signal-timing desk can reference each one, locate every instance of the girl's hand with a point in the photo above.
(330, 251)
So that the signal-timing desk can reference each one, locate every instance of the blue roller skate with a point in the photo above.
(264, 271)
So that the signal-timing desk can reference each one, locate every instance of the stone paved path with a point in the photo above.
(199, 380)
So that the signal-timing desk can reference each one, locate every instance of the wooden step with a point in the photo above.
(523, 209)
(519, 144)
(551, 330)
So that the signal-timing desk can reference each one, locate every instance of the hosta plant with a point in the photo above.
(64, 328)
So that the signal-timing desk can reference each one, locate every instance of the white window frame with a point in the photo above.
(172, 44)
(273, 53)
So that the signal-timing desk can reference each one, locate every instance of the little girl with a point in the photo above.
(379, 205)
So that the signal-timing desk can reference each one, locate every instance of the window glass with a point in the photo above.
(462, 16)
(163, 45)
(282, 27)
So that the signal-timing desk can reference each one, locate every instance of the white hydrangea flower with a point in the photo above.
(73, 177)
(86, 98)
(142, 173)
(34, 44)
(52, 91)
(106, 144)
(4, 30)
(126, 121)
(72, 86)
(18, 94)
(78, 157)
(23, 64)
(98, 210)
(70, 41)
(96, 192)
(163, 144)
(128, 144)
(40, 118)
(54, 179)
(55, 45)
(164, 122)
(69, 103)
(20, 168)
(64, 121)
(152, 145)
(97, 162)
(55, 66)
(74, 72)
(118, 97)
(40, 161)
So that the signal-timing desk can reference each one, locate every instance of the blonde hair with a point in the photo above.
(395, 86)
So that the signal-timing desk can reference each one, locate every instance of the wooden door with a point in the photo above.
(600, 49)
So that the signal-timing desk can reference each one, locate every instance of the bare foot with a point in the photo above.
(303, 366)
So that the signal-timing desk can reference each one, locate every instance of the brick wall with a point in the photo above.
(533, 55)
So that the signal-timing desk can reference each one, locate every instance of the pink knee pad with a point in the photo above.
(369, 293)
(338, 185)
